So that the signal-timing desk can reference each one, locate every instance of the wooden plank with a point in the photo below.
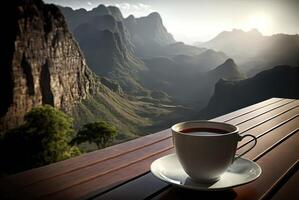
(161, 137)
(270, 125)
(247, 109)
(267, 116)
(271, 138)
(274, 164)
(285, 154)
(175, 193)
(286, 186)
(264, 110)
(92, 184)
(264, 143)
(127, 191)
(76, 177)
(56, 169)
(53, 170)
(94, 171)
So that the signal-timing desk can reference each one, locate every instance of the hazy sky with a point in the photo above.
(201, 20)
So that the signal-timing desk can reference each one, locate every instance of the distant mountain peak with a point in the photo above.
(115, 11)
(230, 62)
(130, 17)
(148, 32)
(280, 81)
(154, 15)
(255, 31)
(228, 70)
(235, 30)
(154, 18)
(239, 32)
(101, 8)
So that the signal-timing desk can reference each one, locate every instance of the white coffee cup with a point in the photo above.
(205, 156)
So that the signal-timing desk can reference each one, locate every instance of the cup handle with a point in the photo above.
(241, 138)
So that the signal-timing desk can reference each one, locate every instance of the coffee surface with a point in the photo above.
(204, 131)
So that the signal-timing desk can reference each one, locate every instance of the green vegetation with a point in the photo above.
(100, 133)
(43, 139)
(48, 136)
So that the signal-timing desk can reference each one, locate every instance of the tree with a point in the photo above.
(43, 139)
(100, 133)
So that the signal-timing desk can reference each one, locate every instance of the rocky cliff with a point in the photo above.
(107, 45)
(80, 16)
(280, 81)
(40, 63)
(109, 52)
(148, 34)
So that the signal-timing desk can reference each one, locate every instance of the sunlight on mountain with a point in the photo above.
(261, 22)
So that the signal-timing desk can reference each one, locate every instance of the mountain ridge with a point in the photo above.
(228, 70)
(280, 81)
(43, 64)
(254, 51)
(35, 66)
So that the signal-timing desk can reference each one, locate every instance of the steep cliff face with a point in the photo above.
(280, 81)
(41, 62)
(148, 34)
(80, 16)
(107, 45)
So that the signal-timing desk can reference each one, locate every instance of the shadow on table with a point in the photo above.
(180, 193)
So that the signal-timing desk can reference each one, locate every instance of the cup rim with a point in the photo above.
(236, 129)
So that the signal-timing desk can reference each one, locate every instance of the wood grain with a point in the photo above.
(107, 173)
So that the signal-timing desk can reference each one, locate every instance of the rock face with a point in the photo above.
(280, 81)
(106, 44)
(228, 70)
(41, 63)
(80, 16)
(148, 33)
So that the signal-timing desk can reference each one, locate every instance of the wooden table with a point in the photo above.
(122, 171)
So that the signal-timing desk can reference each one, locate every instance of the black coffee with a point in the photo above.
(204, 131)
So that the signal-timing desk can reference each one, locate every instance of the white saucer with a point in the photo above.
(169, 169)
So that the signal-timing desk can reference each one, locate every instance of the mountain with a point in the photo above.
(80, 16)
(180, 48)
(42, 64)
(280, 81)
(228, 70)
(203, 62)
(255, 52)
(103, 17)
(144, 35)
(113, 48)
(105, 46)
(187, 84)
(172, 50)
(236, 42)
(148, 33)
